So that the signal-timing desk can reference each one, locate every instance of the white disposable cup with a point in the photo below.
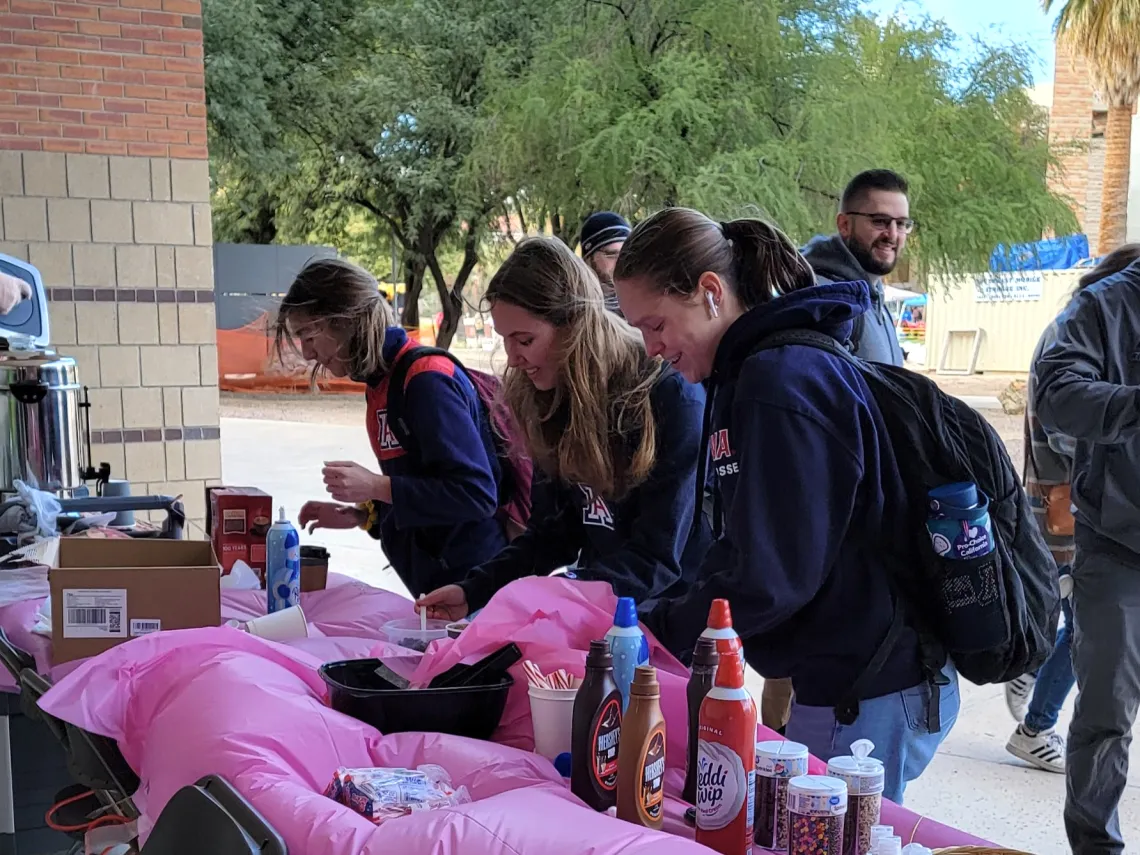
(552, 714)
(284, 625)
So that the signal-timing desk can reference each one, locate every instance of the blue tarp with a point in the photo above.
(1053, 254)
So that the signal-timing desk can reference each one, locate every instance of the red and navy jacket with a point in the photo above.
(642, 544)
(445, 496)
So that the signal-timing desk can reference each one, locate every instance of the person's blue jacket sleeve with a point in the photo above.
(547, 544)
(1073, 395)
(442, 410)
(794, 498)
(650, 561)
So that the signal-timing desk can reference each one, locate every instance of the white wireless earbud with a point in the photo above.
(714, 309)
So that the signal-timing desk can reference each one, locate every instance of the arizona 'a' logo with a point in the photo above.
(718, 445)
(385, 437)
(595, 511)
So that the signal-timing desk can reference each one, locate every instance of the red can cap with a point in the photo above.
(720, 615)
(730, 671)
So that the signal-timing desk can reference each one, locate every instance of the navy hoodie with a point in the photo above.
(641, 544)
(810, 486)
(442, 520)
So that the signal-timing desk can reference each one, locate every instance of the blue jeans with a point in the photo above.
(896, 723)
(1055, 678)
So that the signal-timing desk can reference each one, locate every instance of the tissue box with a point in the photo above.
(237, 521)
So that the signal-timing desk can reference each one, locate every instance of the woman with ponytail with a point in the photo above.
(615, 436)
(434, 507)
(808, 480)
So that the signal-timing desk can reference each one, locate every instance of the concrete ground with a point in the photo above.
(279, 444)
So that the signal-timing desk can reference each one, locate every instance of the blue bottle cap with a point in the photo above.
(625, 615)
(962, 495)
(562, 764)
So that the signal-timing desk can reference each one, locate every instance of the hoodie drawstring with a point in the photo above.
(703, 464)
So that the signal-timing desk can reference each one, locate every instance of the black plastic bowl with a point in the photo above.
(356, 690)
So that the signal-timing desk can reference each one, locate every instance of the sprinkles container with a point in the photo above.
(777, 762)
(816, 808)
(864, 777)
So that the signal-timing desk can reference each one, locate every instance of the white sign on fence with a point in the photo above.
(1021, 286)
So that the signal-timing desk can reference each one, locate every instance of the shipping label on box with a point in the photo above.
(94, 612)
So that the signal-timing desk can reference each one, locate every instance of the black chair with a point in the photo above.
(94, 761)
(211, 816)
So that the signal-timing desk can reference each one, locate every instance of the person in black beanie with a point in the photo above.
(603, 234)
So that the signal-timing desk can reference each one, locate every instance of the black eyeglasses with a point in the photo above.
(882, 222)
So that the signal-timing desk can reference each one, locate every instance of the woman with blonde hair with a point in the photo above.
(614, 435)
(434, 504)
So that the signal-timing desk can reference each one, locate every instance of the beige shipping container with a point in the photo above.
(1010, 311)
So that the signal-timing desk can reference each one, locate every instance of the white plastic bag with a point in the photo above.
(43, 507)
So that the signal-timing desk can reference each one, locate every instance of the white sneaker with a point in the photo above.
(1018, 694)
(1045, 750)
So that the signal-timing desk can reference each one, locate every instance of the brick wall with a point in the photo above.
(118, 77)
(104, 186)
(1070, 129)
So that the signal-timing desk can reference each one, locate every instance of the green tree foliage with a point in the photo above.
(432, 122)
(770, 107)
(367, 105)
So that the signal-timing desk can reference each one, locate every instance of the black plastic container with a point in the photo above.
(473, 711)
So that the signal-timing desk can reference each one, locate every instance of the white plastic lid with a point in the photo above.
(779, 749)
(863, 774)
(880, 831)
(817, 795)
(779, 758)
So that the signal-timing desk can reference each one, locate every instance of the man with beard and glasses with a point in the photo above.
(602, 237)
(873, 223)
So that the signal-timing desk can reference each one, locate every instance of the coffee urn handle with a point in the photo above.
(29, 391)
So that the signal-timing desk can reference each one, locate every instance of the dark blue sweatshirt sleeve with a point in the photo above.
(650, 561)
(547, 544)
(794, 498)
(442, 410)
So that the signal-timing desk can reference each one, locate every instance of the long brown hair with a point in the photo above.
(596, 426)
(336, 292)
(674, 246)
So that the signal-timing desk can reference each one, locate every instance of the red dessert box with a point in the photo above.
(237, 520)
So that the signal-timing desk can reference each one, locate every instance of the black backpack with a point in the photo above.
(995, 616)
(516, 470)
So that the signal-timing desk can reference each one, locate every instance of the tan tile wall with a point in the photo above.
(104, 231)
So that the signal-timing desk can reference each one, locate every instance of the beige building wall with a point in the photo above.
(104, 186)
(1010, 328)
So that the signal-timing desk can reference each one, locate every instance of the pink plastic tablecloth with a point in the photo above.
(344, 622)
(186, 704)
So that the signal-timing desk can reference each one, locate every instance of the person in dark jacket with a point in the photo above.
(1088, 389)
(808, 477)
(603, 233)
(615, 437)
(873, 223)
(434, 510)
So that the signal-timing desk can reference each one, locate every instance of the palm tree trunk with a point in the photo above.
(1114, 199)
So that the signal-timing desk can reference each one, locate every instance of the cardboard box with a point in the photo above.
(105, 592)
(237, 521)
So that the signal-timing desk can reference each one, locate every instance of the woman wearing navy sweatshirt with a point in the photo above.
(434, 509)
(615, 437)
(808, 479)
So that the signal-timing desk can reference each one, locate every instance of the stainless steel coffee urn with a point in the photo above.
(39, 398)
